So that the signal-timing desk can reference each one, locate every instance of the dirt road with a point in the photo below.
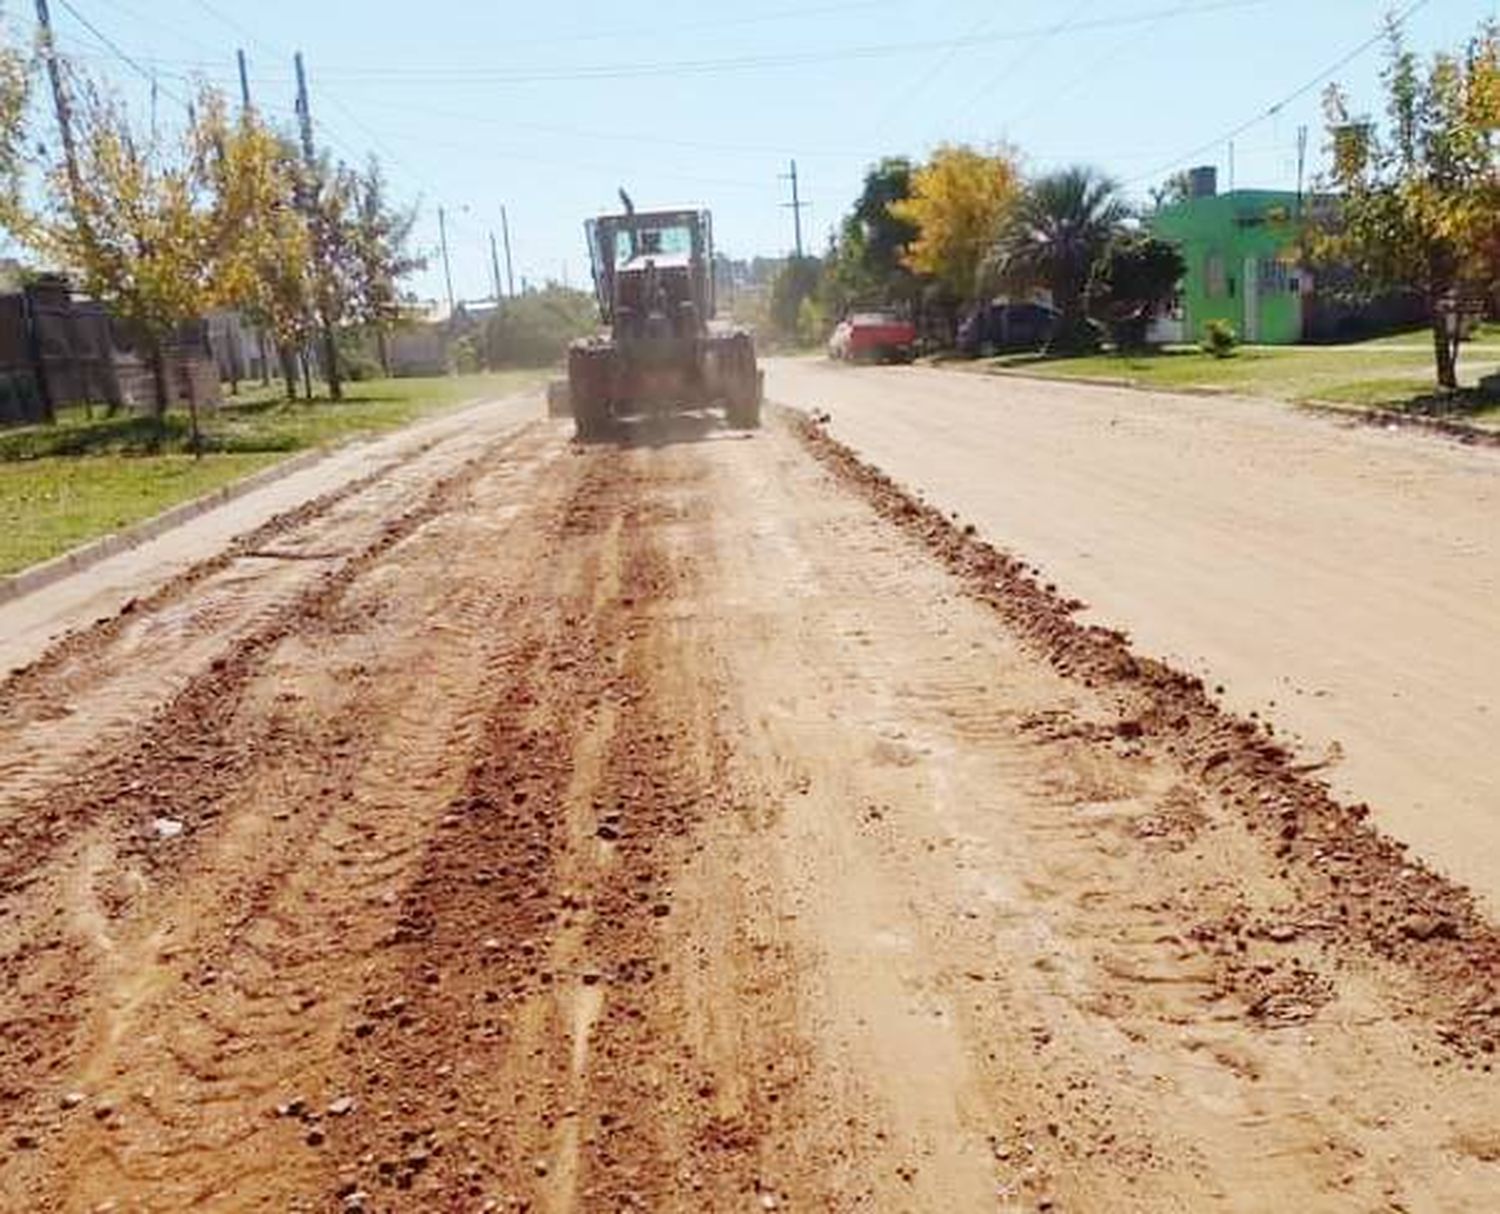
(1340, 581)
(695, 824)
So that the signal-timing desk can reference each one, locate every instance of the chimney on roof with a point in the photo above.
(1203, 181)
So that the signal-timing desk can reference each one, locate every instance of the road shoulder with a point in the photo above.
(39, 605)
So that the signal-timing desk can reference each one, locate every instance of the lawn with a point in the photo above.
(64, 484)
(1392, 373)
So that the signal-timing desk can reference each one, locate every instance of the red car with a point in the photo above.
(873, 337)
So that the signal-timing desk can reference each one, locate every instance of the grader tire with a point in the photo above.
(742, 410)
(588, 388)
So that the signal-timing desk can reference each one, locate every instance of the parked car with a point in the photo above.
(993, 327)
(873, 337)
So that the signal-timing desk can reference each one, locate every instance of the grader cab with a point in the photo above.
(663, 350)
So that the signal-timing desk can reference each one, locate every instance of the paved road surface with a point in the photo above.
(692, 824)
(1342, 581)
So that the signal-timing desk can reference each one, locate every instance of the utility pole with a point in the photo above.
(1301, 164)
(795, 206)
(1231, 166)
(239, 54)
(495, 267)
(75, 190)
(59, 99)
(319, 228)
(304, 112)
(510, 269)
(447, 270)
(244, 81)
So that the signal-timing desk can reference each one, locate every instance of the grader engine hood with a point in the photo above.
(654, 302)
(660, 354)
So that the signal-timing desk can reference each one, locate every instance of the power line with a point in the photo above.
(910, 93)
(1275, 108)
(698, 26)
(1026, 52)
(323, 126)
(1090, 73)
(174, 30)
(385, 76)
(241, 30)
(109, 43)
(573, 132)
(612, 167)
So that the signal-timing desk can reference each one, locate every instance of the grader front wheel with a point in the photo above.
(589, 379)
(745, 386)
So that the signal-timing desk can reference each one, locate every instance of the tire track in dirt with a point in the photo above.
(654, 827)
(537, 950)
(1378, 899)
(53, 713)
(87, 883)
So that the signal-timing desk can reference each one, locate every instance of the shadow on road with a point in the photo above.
(698, 426)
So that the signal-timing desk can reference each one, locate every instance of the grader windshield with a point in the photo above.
(675, 241)
(620, 246)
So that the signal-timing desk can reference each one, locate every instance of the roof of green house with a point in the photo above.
(1219, 207)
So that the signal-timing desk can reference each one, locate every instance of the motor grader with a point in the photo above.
(662, 351)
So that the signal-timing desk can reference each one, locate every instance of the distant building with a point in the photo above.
(418, 349)
(1243, 253)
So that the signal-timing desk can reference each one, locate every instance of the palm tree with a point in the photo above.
(1058, 231)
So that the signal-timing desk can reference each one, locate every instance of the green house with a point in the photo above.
(1242, 255)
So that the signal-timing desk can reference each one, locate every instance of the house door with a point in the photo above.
(1251, 328)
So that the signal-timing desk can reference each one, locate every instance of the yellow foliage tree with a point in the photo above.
(252, 173)
(959, 201)
(15, 95)
(1417, 206)
(137, 228)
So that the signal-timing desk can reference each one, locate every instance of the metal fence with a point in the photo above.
(56, 351)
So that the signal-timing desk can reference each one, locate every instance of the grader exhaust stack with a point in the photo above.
(663, 351)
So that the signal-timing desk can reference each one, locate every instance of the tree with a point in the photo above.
(253, 174)
(959, 201)
(331, 195)
(137, 226)
(868, 262)
(1417, 206)
(534, 329)
(1133, 280)
(797, 281)
(1176, 188)
(15, 97)
(382, 257)
(1059, 230)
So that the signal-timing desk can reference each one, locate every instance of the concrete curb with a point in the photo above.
(1442, 427)
(1105, 381)
(34, 577)
(1462, 432)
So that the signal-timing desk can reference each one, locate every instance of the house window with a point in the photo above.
(1277, 275)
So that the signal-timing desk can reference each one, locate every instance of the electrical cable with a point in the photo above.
(1271, 111)
(109, 43)
(1027, 52)
(909, 94)
(388, 76)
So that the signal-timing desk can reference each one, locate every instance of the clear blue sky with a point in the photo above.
(550, 107)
